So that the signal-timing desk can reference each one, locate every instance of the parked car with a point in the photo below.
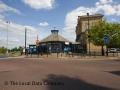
(118, 50)
(112, 50)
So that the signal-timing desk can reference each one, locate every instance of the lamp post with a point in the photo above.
(25, 39)
(88, 33)
(37, 45)
(8, 22)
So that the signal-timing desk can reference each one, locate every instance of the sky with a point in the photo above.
(40, 16)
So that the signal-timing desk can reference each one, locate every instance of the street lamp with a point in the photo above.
(37, 45)
(8, 22)
(88, 33)
(25, 39)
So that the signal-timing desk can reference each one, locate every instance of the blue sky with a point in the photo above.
(55, 17)
(40, 16)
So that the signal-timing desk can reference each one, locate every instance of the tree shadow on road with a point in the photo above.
(60, 82)
(115, 72)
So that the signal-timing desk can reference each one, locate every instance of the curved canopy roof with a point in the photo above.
(54, 37)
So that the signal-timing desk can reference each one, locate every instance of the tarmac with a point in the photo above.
(66, 73)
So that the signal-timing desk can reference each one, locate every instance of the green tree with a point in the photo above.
(97, 33)
(114, 35)
(102, 28)
(3, 50)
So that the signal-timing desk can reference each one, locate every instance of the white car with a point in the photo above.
(112, 50)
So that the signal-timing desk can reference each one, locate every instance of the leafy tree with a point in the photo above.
(3, 50)
(97, 33)
(114, 35)
(102, 28)
(16, 49)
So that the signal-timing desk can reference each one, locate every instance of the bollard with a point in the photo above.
(38, 55)
(117, 53)
(113, 53)
(41, 53)
(61, 54)
(47, 54)
(57, 54)
(31, 54)
(72, 54)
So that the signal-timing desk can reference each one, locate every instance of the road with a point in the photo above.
(59, 74)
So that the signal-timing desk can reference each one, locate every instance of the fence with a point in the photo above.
(70, 54)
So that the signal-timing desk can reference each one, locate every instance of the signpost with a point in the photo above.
(106, 40)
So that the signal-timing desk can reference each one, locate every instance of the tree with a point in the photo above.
(102, 28)
(97, 33)
(3, 50)
(114, 35)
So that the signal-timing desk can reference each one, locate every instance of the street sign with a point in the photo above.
(106, 39)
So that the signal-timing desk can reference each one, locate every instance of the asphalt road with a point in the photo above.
(59, 74)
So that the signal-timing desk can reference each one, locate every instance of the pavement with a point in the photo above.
(25, 73)
(66, 57)
(75, 57)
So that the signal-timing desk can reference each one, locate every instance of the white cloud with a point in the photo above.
(44, 24)
(105, 1)
(71, 19)
(16, 34)
(40, 4)
(106, 7)
(117, 8)
(6, 8)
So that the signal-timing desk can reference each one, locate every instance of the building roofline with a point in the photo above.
(90, 16)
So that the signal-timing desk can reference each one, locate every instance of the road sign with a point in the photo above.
(106, 39)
